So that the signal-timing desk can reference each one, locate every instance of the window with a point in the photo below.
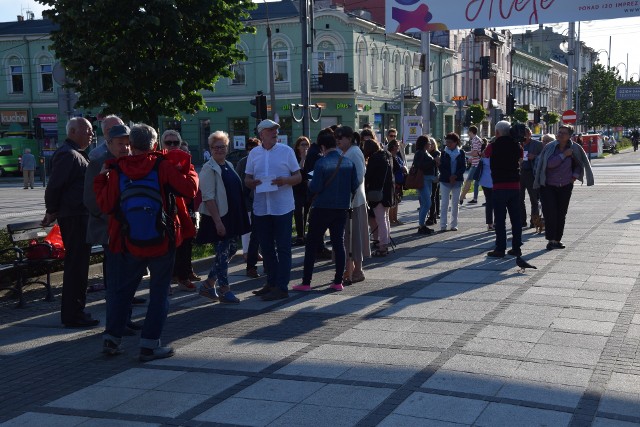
(239, 75)
(362, 66)
(374, 67)
(17, 84)
(281, 63)
(396, 73)
(385, 70)
(327, 59)
(46, 77)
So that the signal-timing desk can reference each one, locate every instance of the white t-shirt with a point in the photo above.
(279, 161)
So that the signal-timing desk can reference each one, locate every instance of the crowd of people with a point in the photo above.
(140, 197)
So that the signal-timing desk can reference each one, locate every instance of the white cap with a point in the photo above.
(267, 124)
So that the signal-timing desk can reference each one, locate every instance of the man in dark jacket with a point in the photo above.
(63, 201)
(532, 149)
(506, 155)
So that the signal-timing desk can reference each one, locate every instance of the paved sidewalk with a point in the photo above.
(438, 335)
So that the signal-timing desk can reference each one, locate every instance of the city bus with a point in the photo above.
(12, 146)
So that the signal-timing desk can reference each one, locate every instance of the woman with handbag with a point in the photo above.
(434, 212)
(426, 165)
(222, 216)
(379, 185)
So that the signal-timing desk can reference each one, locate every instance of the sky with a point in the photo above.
(624, 32)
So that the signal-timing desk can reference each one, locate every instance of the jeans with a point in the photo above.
(124, 280)
(526, 186)
(274, 236)
(488, 207)
(425, 199)
(507, 201)
(220, 265)
(435, 201)
(319, 220)
(447, 190)
(555, 204)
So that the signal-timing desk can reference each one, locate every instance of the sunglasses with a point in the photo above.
(219, 147)
(173, 143)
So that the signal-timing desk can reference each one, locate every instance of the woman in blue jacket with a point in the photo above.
(452, 165)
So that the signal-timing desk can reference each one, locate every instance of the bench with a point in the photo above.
(20, 235)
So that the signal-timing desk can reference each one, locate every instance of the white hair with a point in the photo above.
(73, 123)
(107, 119)
(168, 132)
(221, 135)
(502, 127)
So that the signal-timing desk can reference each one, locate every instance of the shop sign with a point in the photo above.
(239, 142)
(214, 109)
(343, 106)
(392, 106)
(15, 116)
(363, 107)
(48, 118)
(411, 129)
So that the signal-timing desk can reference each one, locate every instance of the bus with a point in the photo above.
(12, 146)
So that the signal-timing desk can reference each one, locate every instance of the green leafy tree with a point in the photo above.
(553, 118)
(477, 113)
(599, 86)
(521, 115)
(146, 58)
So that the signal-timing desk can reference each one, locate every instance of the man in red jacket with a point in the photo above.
(175, 177)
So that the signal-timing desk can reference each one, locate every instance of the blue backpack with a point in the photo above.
(142, 215)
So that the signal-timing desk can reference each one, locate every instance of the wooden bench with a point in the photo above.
(23, 268)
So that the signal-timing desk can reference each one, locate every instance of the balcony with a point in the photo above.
(331, 82)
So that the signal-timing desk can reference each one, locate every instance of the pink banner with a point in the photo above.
(48, 118)
(436, 15)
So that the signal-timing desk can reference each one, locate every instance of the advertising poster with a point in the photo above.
(411, 129)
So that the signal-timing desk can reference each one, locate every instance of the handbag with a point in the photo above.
(51, 247)
(375, 196)
(415, 179)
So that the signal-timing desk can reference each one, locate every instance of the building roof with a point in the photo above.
(277, 10)
(27, 27)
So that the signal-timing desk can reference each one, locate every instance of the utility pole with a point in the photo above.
(570, 65)
(426, 85)
(304, 68)
(272, 89)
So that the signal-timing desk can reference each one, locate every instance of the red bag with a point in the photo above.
(51, 248)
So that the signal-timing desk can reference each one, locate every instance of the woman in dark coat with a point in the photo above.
(379, 177)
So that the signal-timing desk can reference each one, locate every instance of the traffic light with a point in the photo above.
(467, 118)
(536, 116)
(37, 128)
(546, 117)
(484, 67)
(511, 103)
(260, 103)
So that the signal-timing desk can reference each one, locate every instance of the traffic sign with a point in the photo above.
(569, 116)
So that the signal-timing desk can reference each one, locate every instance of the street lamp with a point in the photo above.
(626, 70)
(608, 56)
(586, 122)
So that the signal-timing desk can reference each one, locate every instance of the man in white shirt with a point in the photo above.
(272, 170)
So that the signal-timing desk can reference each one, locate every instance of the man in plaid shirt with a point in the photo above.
(476, 147)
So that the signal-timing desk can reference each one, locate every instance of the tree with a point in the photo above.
(146, 58)
(599, 85)
(521, 115)
(553, 118)
(477, 113)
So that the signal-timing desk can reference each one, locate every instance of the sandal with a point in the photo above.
(378, 253)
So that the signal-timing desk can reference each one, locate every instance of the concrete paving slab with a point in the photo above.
(510, 333)
(203, 383)
(606, 422)
(562, 353)
(482, 365)
(335, 304)
(315, 368)
(384, 356)
(246, 412)
(97, 398)
(348, 396)
(12, 344)
(379, 373)
(583, 325)
(539, 392)
(553, 373)
(620, 403)
(160, 403)
(280, 390)
(464, 382)
(146, 379)
(590, 314)
(442, 408)
(499, 347)
(572, 339)
(500, 414)
(314, 415)
(395, 420)
(30, 419)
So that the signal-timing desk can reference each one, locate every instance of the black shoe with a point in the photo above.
(425, 230)
(264, 290)
(275, 294)
(429, 222)
(461, 202)
(83, 323)
(550, 246)
(111, 348)
(472, 202)
(128, 332)
(558, 245)
(253, 272)
(496, 254)
(138, 301)
(149, 354)
(514, 252)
